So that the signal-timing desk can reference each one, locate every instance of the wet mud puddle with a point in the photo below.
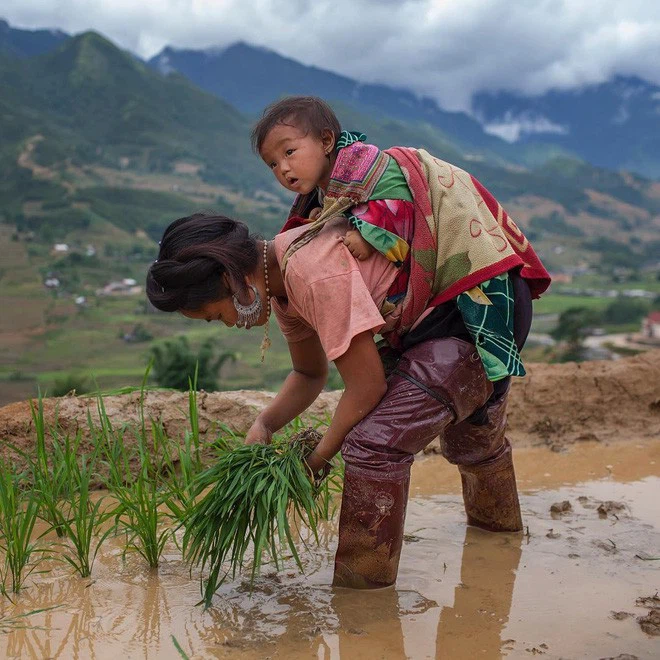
(580, 583)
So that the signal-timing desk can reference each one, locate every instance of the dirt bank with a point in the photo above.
(554, 405)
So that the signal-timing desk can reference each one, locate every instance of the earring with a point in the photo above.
(248, 314)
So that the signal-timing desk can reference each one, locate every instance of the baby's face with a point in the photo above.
(298, 160)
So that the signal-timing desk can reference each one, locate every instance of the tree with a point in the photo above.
(573, 325)
(625, 310)
(174, 363)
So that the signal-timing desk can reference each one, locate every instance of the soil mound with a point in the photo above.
(606, 401)
(554, 405)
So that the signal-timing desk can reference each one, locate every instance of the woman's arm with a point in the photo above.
(298, 392)
(364, 386)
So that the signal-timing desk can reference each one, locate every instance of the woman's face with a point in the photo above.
(223, 310)
(219, 310)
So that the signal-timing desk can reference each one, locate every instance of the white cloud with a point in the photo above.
(433, 47)
(512, 128)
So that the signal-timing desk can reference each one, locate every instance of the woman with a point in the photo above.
(329, 306)
(455, 313)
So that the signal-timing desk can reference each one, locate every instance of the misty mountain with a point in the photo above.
(250, 78)
(615, 124)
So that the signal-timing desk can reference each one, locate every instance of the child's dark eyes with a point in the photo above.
(272, 166)
(289, 151)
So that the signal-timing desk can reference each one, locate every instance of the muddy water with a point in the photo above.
(462, 593)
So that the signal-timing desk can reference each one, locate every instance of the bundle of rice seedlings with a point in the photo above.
(254, 489)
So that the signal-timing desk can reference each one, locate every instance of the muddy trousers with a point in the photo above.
(436, 386)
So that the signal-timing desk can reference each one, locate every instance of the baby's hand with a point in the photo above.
(315, 213)
(357, 246)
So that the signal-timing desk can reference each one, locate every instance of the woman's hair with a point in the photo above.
(308, 113)
(195, 253)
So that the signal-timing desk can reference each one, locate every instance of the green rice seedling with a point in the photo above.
(140, 512)
(19, 512)
(187, 463)
(140, 516)
(193, 417)
(50, 468)
(113, 452)
(182, 471)
(254, 488)
(84, 518)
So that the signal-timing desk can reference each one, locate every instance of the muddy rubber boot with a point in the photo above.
(483, 456)
(373, 513)
(490, 493)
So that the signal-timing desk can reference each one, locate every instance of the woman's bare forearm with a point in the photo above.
(297, 393)
(353, 407)
(365, 385)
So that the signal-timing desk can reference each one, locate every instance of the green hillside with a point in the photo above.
(100, 153)
(97, 104)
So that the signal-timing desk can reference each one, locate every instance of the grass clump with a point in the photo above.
(254, 488)
(19, 512)
(85, 519)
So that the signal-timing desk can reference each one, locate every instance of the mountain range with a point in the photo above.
(615, 124)
(92, 133)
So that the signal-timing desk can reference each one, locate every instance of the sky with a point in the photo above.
(437, 48)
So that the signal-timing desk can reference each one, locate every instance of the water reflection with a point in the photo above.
(361, 615)
(127, 611)
(482, 599)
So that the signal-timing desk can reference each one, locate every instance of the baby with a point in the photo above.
(299, 141)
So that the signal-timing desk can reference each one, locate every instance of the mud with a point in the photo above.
(556, 591)
(555, 406)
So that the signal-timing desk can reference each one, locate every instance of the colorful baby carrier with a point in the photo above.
(454, 242)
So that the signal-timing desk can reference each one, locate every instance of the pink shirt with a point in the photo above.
(329, 291)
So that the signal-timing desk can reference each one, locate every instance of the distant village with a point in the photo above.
(126, 286)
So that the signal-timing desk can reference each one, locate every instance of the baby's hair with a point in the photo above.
(195, 253)
(308, 113)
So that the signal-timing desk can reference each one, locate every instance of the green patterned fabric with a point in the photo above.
(349, 137)
(487, 311)
(392, 185)
(384, 241)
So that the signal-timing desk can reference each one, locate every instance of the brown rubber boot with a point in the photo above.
(483, 456)
(490, 494)
(371, 523)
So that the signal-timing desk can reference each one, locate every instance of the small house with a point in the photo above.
(651, 326)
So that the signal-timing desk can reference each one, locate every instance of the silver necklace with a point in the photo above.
(265, 342)
(248, 315)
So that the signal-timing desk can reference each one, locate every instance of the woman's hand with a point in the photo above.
(298, 392)
(258, 434)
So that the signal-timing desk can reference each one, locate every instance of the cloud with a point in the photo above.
(433, 47)
(512, 128)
